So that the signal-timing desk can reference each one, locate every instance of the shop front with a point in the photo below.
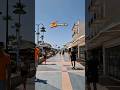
(112, 57)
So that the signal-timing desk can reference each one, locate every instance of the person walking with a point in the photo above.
(60, 52)
(37, 51)
(73, 58)
(69, 54)
(4, 69)
(63, 52)
(44, 58)
(92, 72)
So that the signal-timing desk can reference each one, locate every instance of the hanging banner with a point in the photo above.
(55, 24)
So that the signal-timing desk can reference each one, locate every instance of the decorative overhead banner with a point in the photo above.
(55, 24)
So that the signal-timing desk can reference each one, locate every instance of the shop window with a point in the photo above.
(113, 61)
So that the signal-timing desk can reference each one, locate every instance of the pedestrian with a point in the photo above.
(69, 54)
(4, 69)
(69, 51)
(44, 58)
(92, 72)
(60, 52)
(37, 51)
(73, 58)
(24, 71)
(63, 52)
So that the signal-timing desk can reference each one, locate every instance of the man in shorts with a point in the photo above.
(73, 58)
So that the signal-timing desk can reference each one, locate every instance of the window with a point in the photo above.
(113, 61)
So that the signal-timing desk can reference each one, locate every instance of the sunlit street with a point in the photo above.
(58, 74)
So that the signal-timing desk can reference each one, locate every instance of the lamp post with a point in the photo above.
(19, 10)
(7, 18)
(42, 37)
(38, 32)
(43, 30)
(7, 25)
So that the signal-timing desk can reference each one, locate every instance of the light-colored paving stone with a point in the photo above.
(30, 85)
(48, 81)
(56, 75)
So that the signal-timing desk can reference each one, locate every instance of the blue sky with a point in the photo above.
(62, 11)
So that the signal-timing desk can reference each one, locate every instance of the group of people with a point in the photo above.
(62, 52)
(37, 55)
(91, 68)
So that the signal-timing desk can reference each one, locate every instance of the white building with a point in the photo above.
(78, 41)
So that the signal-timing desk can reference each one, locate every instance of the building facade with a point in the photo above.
(103, 34)
(78, 41)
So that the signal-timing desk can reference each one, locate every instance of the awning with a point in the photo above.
(102, 37)
(80, 41)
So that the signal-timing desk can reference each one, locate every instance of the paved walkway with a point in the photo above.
(30, 85)
(58, 74)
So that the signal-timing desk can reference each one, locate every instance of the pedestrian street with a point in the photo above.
(58, 74)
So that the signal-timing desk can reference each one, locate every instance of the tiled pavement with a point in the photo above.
(30, 85)
(59, 75)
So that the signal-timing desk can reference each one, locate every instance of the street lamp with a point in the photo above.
(19, 10)
(43, 30)
(38, 33)
(6, 18)
(42, 37)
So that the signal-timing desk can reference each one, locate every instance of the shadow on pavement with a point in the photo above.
(78, 69)
(46, 87)
(77, 81)
(41, 81)
(47, 64)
